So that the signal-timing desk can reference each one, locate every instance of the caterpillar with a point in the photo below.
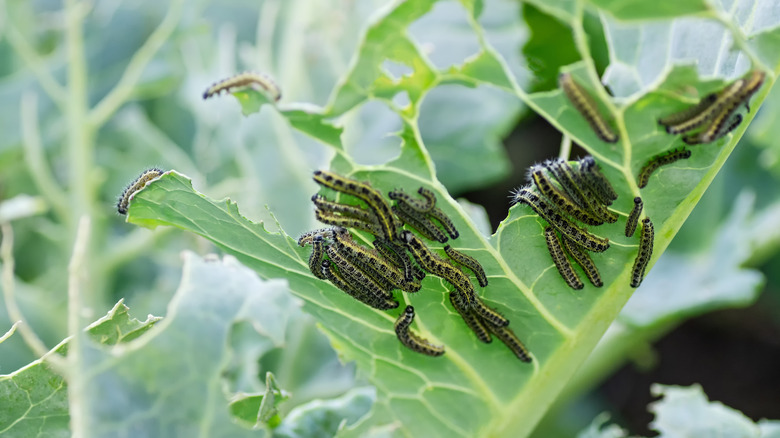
(644, 254)
(596, 181)
(471, 320)
(341, 283)
(352, 211)
(568, 229)
(508, 337)
(445, 222)
(489, 314)
(331, 218)
(584, 260)
(139, 183)
(633, 217)
(658, 161)
(362, 191)
(726, 98)
(428, 195)
(571, 182)
(688, 114)
(308, 237)
(253, 80)
(584, 103)
(560, 199)
(470, 262)
(437, 266)
(404, 198)
(411, 340)
(562, 263)
(718, 114)
(315, 258)
(416, 220)
(707, 136)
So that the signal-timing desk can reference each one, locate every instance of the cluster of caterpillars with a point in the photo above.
(398, 258)
(712, 118)
(709, 120)
(563, 195)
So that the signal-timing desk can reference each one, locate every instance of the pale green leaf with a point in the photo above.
(326, 418)
(686, 411)
(35, 397)
(479, 389)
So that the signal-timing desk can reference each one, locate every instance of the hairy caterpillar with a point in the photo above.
(139, 183)
(561, 262)
(568, 229)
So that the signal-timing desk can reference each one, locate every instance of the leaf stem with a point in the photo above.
(35, 159)
(77, 275)
(18, 43)
(126, 85)
(14, 312)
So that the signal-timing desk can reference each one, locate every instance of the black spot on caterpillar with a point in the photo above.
(139, 183)
(584, 260)
(633, 217)
(437, 266)
(645, 252)
(567, 228)
(411, 340)
(658, 161)
(561, 261)
(584, 103)
(362, 191)
(471, 320)
(253, 80)
(469, 262)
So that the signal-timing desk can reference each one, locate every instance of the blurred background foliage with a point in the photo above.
(708, 313)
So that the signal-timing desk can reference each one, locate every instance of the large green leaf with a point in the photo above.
(474, 389)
